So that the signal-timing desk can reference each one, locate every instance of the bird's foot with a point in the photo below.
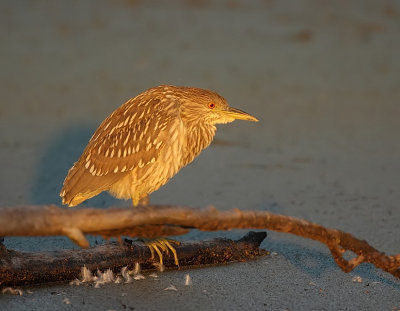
(161, 245)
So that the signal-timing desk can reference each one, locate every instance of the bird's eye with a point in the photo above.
(211, 105)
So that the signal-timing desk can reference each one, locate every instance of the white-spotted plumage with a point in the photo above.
(145, 142)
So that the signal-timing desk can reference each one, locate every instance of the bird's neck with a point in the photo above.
(199, 136)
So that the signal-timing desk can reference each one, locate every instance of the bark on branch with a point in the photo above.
(153, 221)
(22, 268)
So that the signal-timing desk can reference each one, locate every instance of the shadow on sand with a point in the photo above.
(316, 263)
(62, 151)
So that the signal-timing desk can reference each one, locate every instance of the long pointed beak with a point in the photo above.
(239, 114)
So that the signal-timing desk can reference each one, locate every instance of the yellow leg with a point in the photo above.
(158, 245)
(137, 201)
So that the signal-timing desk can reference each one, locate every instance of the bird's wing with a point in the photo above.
(132, 136)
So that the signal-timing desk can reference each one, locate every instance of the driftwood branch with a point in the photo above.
(156, 221)
(23, 268)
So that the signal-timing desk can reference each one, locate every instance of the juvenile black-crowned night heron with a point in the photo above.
(146, 141)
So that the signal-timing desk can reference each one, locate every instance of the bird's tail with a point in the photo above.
(75, 190)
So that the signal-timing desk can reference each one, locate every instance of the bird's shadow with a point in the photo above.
(62, 150)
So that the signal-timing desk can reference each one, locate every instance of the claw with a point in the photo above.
(173, 250)
(163, 245)
(154, 247)
(151, 251)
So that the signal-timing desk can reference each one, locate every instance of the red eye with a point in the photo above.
(211, 105)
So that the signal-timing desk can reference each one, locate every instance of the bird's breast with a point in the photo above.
(198, 138)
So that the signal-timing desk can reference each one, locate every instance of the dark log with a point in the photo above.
(22, 268)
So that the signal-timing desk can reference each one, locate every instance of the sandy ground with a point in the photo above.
(324, 80)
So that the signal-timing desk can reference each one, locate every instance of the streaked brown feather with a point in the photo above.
(109, 152)
(145, 142)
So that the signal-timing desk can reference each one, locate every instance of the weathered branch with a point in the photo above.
(155, 221)
(22, 268)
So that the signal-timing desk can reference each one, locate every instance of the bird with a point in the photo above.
(145, 142)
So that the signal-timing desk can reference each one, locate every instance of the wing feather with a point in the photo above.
(132, 136)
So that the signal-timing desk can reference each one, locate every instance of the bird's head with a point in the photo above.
(209, 107)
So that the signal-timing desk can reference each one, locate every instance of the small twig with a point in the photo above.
(154, 221)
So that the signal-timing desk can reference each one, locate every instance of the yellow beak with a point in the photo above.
(239, 114)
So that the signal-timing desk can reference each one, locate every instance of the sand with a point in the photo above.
(322, 77)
